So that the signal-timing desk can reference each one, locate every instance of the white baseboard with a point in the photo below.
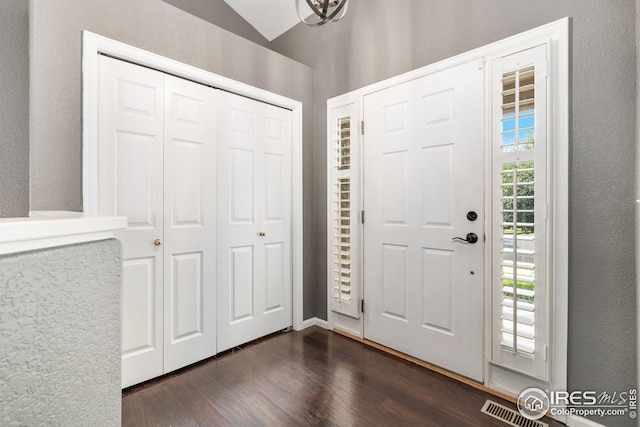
(314, 321)
(576, 421)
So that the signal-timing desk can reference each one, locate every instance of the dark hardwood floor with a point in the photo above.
(308, 378)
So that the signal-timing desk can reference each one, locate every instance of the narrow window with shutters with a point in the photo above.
(343, 212)
(342, 243)
(519, 212)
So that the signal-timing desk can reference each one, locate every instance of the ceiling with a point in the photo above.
(270, 17)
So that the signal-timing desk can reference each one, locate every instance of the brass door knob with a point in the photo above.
(157, 242)
(262, 234)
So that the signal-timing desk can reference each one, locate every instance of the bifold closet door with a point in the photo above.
(130, 152)
(156, 156)
(189, 223)
(254, 220)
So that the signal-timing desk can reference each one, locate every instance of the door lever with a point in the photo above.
(471, 238)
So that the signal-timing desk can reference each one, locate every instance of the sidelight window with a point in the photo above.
(344, 212)
(520, 213)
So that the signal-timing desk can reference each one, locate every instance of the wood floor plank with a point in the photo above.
(137, 412)
(218, 406)
(308, 378)
(167, 407)
(258, 399)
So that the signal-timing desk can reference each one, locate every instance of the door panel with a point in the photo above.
(437, 191)
(187, 183)
(274, 182)
(139, 306)
(130, 184)
(190, 217)
(437, 286)
(136, 175)
(394, 282)
(394, 181)
(242, 184)
(275, 277)
(242, 285)
(254, 220)
(424, 171)
(187, 290)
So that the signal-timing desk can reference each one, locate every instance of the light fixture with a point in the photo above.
(324, 11)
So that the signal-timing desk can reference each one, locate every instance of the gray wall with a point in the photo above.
(379, 39)
(14, 109)
(221, 14)
(55, 91)
(60, 336)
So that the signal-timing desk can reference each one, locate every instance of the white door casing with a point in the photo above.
(156, 145)
(423, 172)
(254, 220)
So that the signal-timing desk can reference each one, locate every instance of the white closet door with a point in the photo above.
(130, 184)
(189, 223)
(254, 220)
(424, 170)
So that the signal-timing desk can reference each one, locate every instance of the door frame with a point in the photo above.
(556, 36)
(94, 45)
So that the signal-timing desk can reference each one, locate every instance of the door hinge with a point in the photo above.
(362, 127)
(362, 217)
(361, 306)
(546, 352)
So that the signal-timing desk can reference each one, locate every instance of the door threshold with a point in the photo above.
(429, 366)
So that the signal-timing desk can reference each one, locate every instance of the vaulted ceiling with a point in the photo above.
(270, 17)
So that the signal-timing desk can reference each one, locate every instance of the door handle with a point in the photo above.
(157, 242)
(471, 238)
(262, 234)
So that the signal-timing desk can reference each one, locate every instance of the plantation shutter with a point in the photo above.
(343, 206)
(519, 170)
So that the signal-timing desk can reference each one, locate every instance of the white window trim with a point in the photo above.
(93, 45)
(556, 35)
(352, 110)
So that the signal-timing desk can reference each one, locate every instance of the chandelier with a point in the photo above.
(324, 11)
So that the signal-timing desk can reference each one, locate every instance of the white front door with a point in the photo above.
(254, 220)
(423, 180)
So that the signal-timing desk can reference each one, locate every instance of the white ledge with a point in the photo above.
(47, 229)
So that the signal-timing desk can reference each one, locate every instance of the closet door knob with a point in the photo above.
(157, 242)
(262, 234)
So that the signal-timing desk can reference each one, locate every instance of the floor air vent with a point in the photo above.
(509, 416)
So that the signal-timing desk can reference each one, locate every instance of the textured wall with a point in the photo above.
(55, 95)
(379, 39)
(60, 336)
(221, 14)
(14, 109)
